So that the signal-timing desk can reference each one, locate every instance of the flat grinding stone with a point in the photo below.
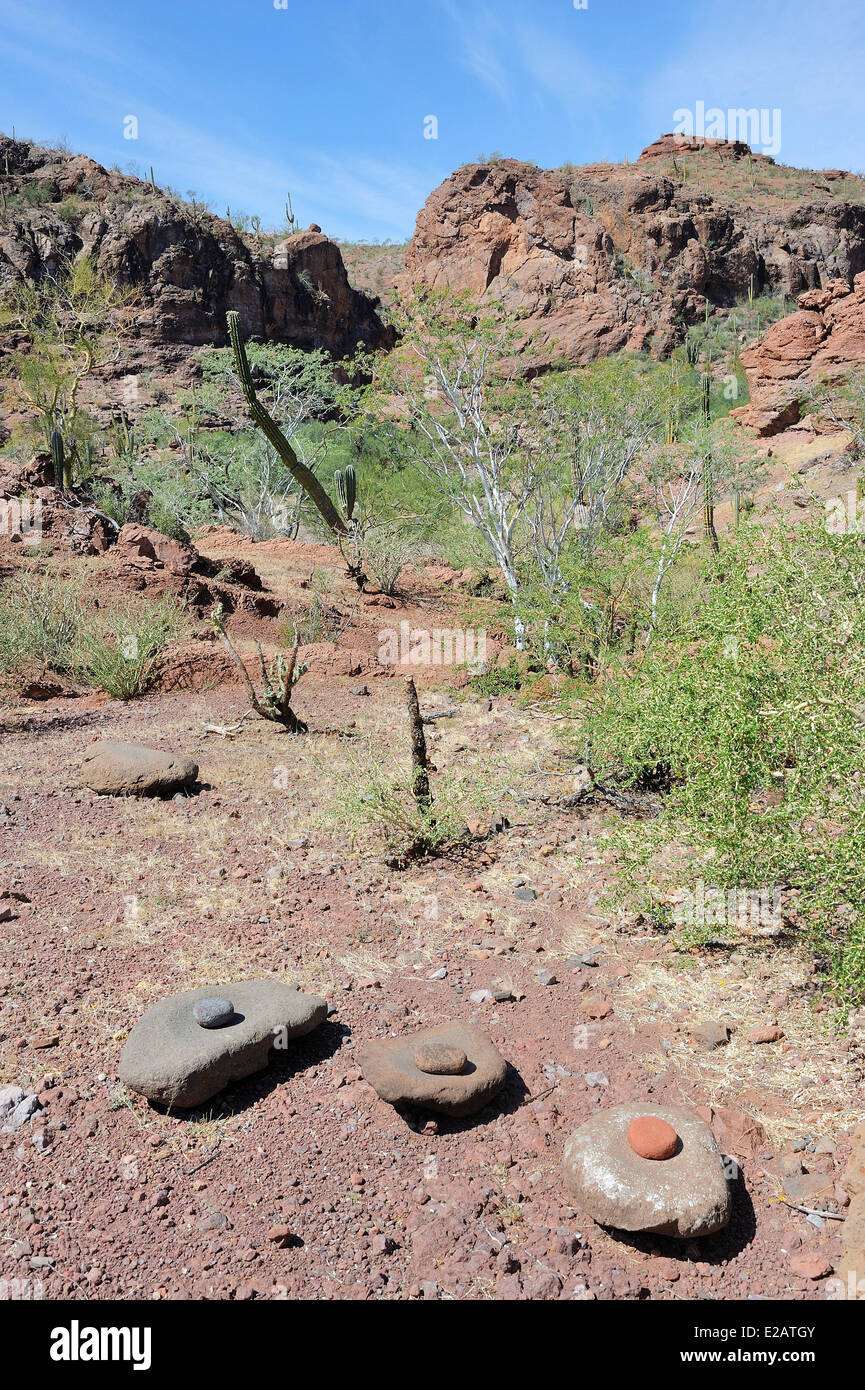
(389, 1065)
(686, 1195)
(171, 1059)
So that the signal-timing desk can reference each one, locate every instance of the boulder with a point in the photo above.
(21, 1112)
(684, 1195)
(711, 1034)
(10, 1097)
(393, 1067)
(735, 1131)
(136, 542)
(172, 1059)
(824, 338)
(129, 769)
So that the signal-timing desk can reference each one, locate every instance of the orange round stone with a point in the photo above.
(651, 1137)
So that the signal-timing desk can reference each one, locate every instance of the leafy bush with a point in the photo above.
(171, 501)
(747, 710)
(40, 192)
(500, 680)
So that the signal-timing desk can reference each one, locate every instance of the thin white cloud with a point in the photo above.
(351, 195)
(507, 52)
(478, 37)
(47, 26)
(579, 85)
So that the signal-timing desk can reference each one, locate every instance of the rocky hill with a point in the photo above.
(188, 266)
(612, 256)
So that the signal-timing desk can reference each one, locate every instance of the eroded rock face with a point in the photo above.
(684, 1195)
(824, 338)
(391, 1066)
(612, 256)
(172, 1060)
(129, 769)
(142, 558)
(188, 266)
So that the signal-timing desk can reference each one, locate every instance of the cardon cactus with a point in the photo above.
(705, 398)
(302, 475)
(58, 456)
(346, 486)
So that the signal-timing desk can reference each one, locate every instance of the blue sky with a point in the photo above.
(243, 101)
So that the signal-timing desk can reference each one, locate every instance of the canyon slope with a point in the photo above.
(611, 256)
(187, 266)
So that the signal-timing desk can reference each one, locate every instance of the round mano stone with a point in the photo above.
(213, 1013)
(438, 1059)
(687, 1195)
(651, 1137)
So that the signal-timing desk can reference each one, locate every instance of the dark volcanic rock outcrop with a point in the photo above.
(188, 266)
(610, 256)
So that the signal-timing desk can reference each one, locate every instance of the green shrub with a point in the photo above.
(499, 680)
(42, 191)
(747, 713)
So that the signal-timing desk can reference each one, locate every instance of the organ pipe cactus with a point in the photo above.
(346, 486)
(708, 482)
(303, 476)
(58, 457)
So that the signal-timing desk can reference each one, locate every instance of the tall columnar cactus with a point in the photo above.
(705, 397)
(346, 486)
(58, 457)
(302, 475)
(708, 482)
(709, 506)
